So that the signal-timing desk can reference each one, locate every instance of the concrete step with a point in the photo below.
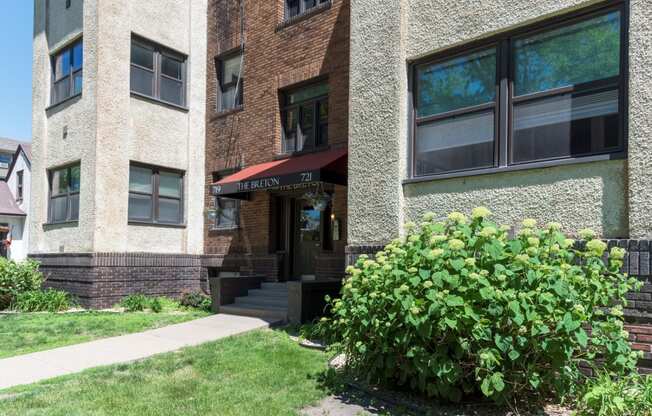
(263, 302)
(277, 315)
(276, 294)
(281, 287)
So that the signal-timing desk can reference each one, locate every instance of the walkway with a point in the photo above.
(30, 368)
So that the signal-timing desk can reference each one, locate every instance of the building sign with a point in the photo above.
(281, 182)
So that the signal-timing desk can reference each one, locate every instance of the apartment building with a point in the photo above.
(118, 123)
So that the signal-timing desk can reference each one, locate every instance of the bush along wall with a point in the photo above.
(459, 307)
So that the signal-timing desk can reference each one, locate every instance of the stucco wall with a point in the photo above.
(600, 195)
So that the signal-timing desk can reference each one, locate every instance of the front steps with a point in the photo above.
(270, 301)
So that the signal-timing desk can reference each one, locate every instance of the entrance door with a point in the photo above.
(308, 238)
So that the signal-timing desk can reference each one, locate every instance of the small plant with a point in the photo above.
(16, 278)
(606, 395)
(49, 300)
(156, 305)
(135, 303)
(197, 300)
(459, 307)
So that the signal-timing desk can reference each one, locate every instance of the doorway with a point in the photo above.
(308, 238)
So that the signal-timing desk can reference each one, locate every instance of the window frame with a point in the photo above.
(302, 8)
(318, 141)
(219, 67)
(67, 49)
(158, 52)
(67, 195)
(505, 99)
(19, 185)
(216, 226)
(154, 218)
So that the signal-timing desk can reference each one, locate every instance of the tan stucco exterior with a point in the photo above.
(612, 197)
(108, 128)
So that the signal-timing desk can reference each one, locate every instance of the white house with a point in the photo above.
(14, 205)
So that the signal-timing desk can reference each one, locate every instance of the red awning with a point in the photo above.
(328, 166)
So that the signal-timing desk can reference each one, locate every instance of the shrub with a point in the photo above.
(609, 396)
(49, 300)
(459, 307)
(135, 303)
(16, 278)
(197, 300)
(155, 305)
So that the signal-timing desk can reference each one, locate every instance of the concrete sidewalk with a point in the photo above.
(30, 368)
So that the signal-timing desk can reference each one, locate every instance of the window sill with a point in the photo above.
(73, 223)
(156, 224)
(62, 102)
(225, 113)
(303, 16)
(516, 168)
(287, 155)
(159, 101)
(217, 229)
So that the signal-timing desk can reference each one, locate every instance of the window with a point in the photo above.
(157, 72)
(155, 195)
(67, 72)
(5, 160)
(561, 89)
(230, 81)
(64, 194)
(228, 213)
(305, 118)
(296, 7)
(19, 185)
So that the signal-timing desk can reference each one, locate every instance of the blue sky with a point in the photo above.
(16, 22)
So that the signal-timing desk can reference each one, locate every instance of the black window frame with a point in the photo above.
(19, 185)
(318, 142)
(505, 100)
(67, 195)
(154, 218)
(158, 52)
(239, 84)
(72, 73)
(302, 9)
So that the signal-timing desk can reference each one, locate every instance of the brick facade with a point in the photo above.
(277, 54)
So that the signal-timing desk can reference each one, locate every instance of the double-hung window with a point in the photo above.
(297, 7)
(19, 185)
(305, 118)
(67, 72)
(158, 72)
(155, 195)
(534, 97)
(64, 194)
(231, 82)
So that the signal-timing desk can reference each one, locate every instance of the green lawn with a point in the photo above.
(260, 373)
(30, 332)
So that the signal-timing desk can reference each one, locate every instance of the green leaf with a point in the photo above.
(513, 355)
(487, 387)
(452, 300)
(457, 264)
(497, 381)
(487, 293)
(452, 323)
(424, 273)
(582, 338)
(415, 280)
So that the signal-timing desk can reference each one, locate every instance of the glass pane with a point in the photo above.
(323, 111)
(566, 125)
(140, 179)
(307, 127)
(60, 182)
(142, 56)
(307, 93)
(74, 181)
(140, 207)
(292, 7)
(227, 98)
(172, 91)
(458, 83)
(227, 213)
(458, 143)
(77, 82)
(169, 184)
(61, 89)
(231, 69)
(169, 210)
(59, 209)
(74, 207)
(142, 81)
(290, 130)
(62, 64)
(583, 52)
(171, 67)
(307, 4)
(77, 56)
(323, 135)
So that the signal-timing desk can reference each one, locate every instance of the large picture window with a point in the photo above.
(231, 82)
(545, 94)
(67, 72)
(305, 118)
(64, 194)
(155, 195)
(158, 72)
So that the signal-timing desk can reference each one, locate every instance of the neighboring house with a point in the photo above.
(7, 149)
(276, 138)
(118, 125)
(14, 205)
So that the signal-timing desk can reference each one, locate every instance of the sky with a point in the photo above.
(16, 23)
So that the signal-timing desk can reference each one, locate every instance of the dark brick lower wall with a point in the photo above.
(100, 280)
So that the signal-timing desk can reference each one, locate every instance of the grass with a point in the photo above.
(261, 373)
(30, 332)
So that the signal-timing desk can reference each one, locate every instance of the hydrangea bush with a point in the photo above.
(459, 306)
